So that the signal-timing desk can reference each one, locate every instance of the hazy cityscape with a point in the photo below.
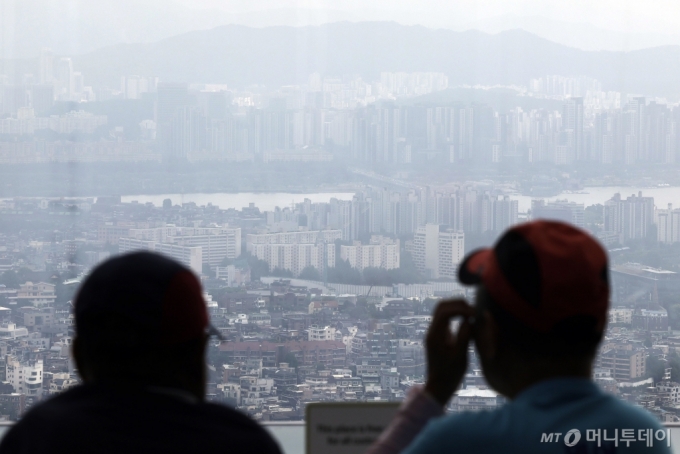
(326, 203)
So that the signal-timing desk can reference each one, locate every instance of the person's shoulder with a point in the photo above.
(56, 406)
(458, 432)
(625, 412)
(464, 427)
(239, 425)
(224, 414)
(42, 419)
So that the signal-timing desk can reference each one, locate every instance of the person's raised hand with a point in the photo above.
(447, 357)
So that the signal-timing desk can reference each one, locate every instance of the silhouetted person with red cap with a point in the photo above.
(540, 313)
(141, 333)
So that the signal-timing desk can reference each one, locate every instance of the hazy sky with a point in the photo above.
(79, 26)
(621, 15)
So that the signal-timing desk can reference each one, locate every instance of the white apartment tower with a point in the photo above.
(191, 257)
(192, 246)
(382, 252)
(295, 251)
(668, 225)
(26, 377)
(437, 250)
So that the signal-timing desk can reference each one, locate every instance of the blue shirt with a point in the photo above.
(566, 415)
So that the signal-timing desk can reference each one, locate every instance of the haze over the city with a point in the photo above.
(28, 25)
(323, 168)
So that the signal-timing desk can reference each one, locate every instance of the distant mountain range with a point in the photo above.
(240, 56)
(73, 27)
(583, 35)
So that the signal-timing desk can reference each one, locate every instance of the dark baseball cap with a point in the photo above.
(544, 274)
(159, 299)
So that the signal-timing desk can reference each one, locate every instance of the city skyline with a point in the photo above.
(323, 169)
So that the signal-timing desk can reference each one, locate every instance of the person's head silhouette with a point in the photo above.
(540, 311)
(141, 322)
(541, 305)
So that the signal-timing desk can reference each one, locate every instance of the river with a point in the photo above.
(264, 201)
(268, 201)
(594, 195)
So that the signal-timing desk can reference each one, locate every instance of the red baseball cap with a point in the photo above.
(543, 273)
(159, 300)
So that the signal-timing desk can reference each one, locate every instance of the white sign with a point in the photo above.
(346, 428)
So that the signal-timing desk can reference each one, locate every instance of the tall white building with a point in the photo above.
(218, 243)
(295, 251)
(295, 257)
(191, 257)
(382, 252)
(631, 218)
(437, 250)
(307, 237)
(26, 377)
(63, 72)
(46, 74)
(215, 243)
(668, 225)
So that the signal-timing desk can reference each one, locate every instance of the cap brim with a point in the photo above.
(471, 269)
(212, 331)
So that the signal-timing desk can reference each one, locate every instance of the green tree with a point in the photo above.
(375, 313)
(674, 315)
(674, 364)
(291, 359)
(594, 217)
(655, 368)
(9, 409)
(407, 273)
(258, 268)
(310, 273)
(281, 272)
(376, 276)
(343, 273)
(10, 279)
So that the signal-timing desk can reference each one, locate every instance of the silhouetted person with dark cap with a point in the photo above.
(141, 334)
(540, 312)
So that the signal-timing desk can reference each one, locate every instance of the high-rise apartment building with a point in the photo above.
(295, 251)
(573, 126)
(172, 97)
(668, 225)
(559, 210)
(382, 252)
(437, 250)
(191, 257)
(340, 217)
(630, 218)
(64, 79)
(306, 237)
(46, 75)
(216, 243)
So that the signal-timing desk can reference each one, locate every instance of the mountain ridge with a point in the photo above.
(239, 55)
